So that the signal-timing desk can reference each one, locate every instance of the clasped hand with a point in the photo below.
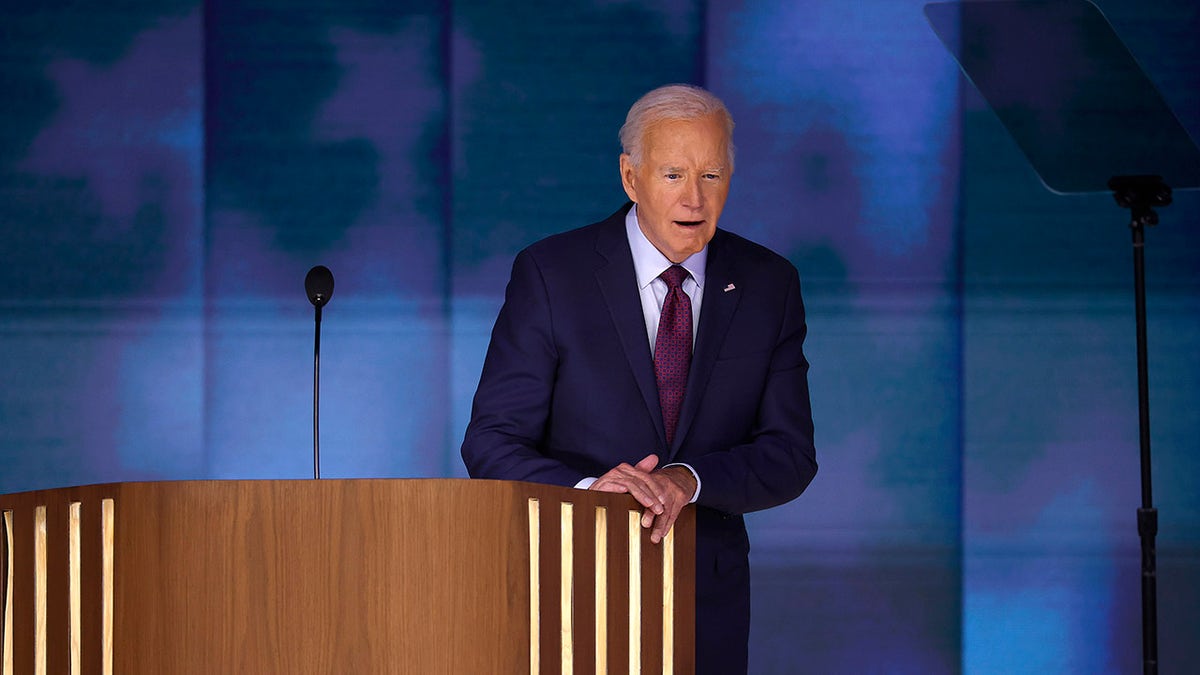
(663, 493)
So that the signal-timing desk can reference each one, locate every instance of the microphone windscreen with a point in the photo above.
(318, 283)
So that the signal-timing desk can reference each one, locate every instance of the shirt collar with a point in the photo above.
(649, 262)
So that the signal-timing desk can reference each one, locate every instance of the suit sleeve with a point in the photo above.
(778, 459)
(508, 417)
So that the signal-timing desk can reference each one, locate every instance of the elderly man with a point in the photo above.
(654, 354)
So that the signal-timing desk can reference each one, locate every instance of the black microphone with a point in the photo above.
(318, 284)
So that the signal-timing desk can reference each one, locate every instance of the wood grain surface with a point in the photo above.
(336, 576)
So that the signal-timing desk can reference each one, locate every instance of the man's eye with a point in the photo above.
(712, 176)
(672, 176)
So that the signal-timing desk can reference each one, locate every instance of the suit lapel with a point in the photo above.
(618, 285)
(716, 312)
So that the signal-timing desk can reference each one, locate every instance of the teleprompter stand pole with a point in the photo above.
(1141, 194)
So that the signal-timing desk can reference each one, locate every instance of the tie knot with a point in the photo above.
(674, 276)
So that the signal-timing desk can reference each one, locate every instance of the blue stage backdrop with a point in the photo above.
(170, 170)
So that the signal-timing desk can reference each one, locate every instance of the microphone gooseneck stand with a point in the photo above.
(317, 396)
(318, 285)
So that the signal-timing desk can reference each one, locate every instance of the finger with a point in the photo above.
(647, 463)
(608, 486)
(646, 495)
(651, 521)
(625, 479)
(675, 499)
(636, 489)
(663, 524)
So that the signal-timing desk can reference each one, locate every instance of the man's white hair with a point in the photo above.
(671, 102)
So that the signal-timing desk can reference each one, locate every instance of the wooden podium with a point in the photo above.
(341, 576)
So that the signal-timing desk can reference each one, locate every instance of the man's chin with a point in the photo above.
(688, 247)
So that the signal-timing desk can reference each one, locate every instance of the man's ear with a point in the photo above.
(628, 171)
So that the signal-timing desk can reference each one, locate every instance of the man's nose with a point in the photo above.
(693, 196)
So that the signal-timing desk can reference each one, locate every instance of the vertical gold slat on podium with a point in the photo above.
(108, 517)
(601, 562)
(635, 593)
(535, 590)
(39, 590)
(668, 601)
(566, 586)
(6, 650)
(75, 595)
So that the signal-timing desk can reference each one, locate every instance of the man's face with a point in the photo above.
(681, 185)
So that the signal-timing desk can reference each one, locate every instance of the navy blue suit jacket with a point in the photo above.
(568, 389)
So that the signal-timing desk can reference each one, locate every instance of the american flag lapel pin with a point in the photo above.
(730, 287)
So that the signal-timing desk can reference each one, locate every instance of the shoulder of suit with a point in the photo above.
(747, 252)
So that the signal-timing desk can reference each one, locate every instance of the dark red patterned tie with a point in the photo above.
(673, 348)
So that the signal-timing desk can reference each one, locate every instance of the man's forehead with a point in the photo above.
(680, 140)
(709, 123)
(675, 166)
